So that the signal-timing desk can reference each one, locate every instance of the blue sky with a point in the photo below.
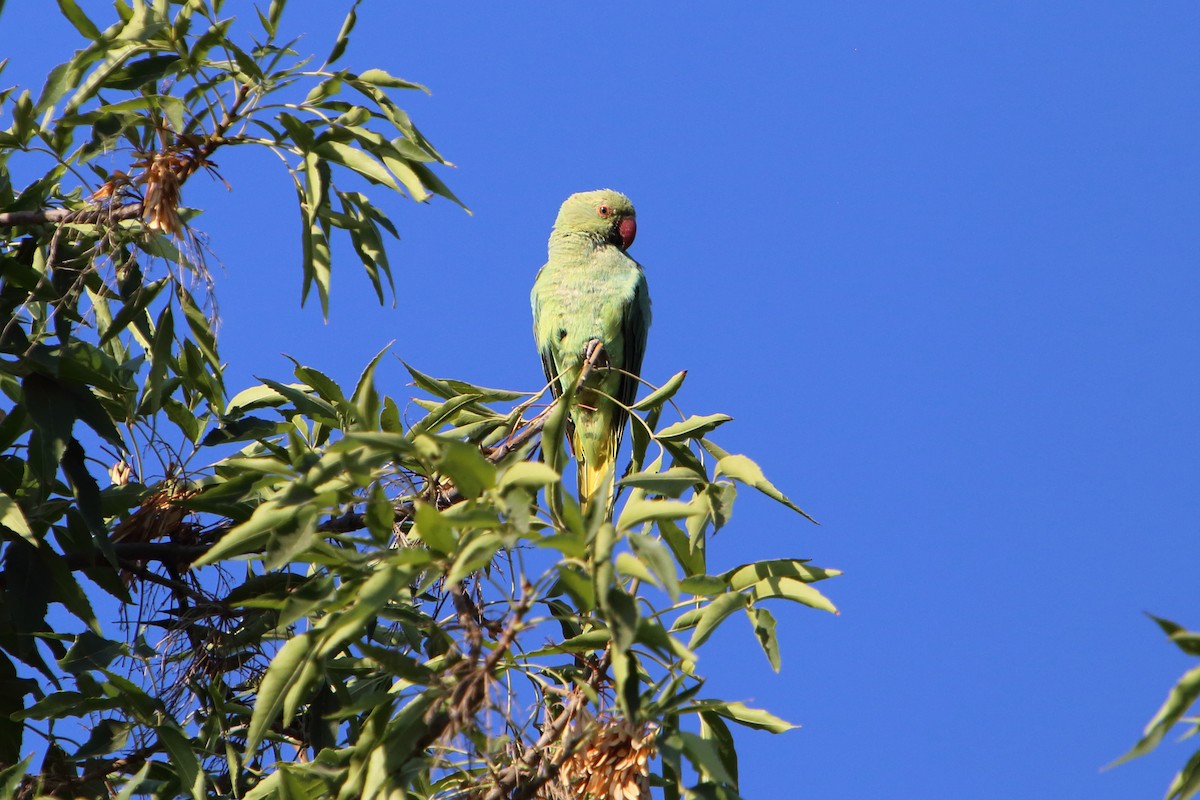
(939, 262)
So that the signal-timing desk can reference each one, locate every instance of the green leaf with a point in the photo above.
(764, 631)
(52, 410)
(462, 463)
(134, 784)
(90, 652)
(449, 389)
(1185, 640)
(183, 759)
(377, 77)
(12, 695)
(343, 36)
(107, 736)
(310, 405)
(657, 559)
(476, 554)
(713, 615)
(288, 668)
(1187, 782)
(628, 565)
(746, 471)
(693, 427)
(689, 553)
(361, 162)
(433, 529)
(202, 330)
(530, 474)
(713, 729)
(1181, 697)
(703, 754)
(742, 714)
(662, 394)
(746, 575)
(146, 70)
(12, 518)
(251, 535)
(625, 679)
(670, 482)
(791, 589)
(380, 514)
(253, 398)
(301, 133)
(134, 307)
(366, 398)
(638, 510)
(74, 14)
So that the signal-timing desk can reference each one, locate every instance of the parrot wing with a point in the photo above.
(635, 324)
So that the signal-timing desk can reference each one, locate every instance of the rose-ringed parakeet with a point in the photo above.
(590, 289)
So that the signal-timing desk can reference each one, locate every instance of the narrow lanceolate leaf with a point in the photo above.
(12, 518)
(714, 614)
(474, 556)
(433, 529)
(251, 534)
(1187, 782)
(703, 754)
(254, 397)
(714, 729)
(639, 510)
(378, 77)
(71, 10)
(657, 558)
(744, 715)
(183, 759)
(693, 427)
(366, 398)
(1185, 640)
(358, 160)
(662, 394)
(671, 482)
(343, 36)
(527, 473)
(764, 631)
(791, 589)
(749, 574)
(285, 670)
(743, 469)
(1178, 701)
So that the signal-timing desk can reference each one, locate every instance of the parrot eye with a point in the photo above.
(604, 211)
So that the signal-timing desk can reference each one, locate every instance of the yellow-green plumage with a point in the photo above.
(590, 289)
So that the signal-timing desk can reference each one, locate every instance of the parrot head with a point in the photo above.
(603, 214)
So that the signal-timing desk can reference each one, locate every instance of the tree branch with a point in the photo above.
(59, 216)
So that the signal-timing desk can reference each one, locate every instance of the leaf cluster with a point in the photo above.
(1174, 711)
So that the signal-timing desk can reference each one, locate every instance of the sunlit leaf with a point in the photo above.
(746, 471)
(712, 615)
(693, 427)
(287, 669)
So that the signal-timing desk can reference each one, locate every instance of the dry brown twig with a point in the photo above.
(163, 173)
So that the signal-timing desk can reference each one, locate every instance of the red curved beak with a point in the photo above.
(628, 230)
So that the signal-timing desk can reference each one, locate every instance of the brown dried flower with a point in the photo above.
(161, 205)
(613, 763)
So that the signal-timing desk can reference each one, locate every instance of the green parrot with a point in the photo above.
(590, 289)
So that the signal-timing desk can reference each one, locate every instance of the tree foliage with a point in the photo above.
(320, 597)
(1180, 700)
